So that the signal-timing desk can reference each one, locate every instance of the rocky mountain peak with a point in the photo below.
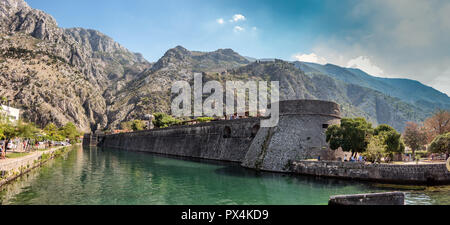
(94, 39)
(173, 57)
(10, 7)
(226, 51)
(228, 55)
(17, 16)
(178, 52)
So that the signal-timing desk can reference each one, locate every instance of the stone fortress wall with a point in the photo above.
(221, 140)
(299, 136)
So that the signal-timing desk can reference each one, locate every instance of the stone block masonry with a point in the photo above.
(90, 140)
(427, 174)
(299, 136)
(221, 140)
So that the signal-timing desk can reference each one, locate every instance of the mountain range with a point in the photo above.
(83, 76)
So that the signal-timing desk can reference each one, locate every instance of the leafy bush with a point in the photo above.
(375, 150)
(163, 120)
(137, 125)
(391, 139)
(422, 154)
(204, 119)
(441, 144)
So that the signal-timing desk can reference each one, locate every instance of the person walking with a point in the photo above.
(1, 150)
(4, 147)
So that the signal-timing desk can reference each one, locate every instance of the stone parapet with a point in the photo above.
(430, 174)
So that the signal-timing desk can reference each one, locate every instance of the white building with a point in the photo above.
(12, 114)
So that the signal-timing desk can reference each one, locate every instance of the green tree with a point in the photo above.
(441, 144)
(2, 127)
(10, 131)
(414, 137)
(382, 128)
(391, 139)
(137, 125)
(27, 130)
(70, 132)
(376, 150)
(53, 133)
(352, 135)
(51, 129)
(57, 137)
(2, 135)
(20, 129)
(163, 120)
(334, 136)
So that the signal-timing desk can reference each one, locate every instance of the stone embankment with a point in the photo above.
(299, 136)
(10, 169)
(430, 174)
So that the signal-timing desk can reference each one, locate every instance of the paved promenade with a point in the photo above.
(8, 162)
(10, 169)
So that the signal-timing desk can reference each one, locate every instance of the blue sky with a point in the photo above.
(382, 37)
(152, 27)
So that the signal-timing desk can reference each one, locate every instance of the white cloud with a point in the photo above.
(442, 82)
(238, 29)
(363, 63)
(238, 17)
(312, 58)
(220, 21)
(400, 37)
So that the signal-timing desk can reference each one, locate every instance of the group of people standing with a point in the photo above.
(354, 159)
(5, 145)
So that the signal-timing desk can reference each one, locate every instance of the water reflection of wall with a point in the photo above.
(9, 191)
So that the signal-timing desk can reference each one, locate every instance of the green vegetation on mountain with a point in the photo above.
(163, 120)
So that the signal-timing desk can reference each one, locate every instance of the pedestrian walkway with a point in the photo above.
(8, 164)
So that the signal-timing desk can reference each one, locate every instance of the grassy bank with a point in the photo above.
(15, 155)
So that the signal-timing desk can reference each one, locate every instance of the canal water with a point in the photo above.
(114, 177)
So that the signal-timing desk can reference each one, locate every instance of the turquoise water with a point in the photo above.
(102, 176)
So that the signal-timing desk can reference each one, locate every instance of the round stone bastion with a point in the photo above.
(310, 107)
(300, 135)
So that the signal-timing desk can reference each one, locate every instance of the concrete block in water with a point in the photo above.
(388, 198)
